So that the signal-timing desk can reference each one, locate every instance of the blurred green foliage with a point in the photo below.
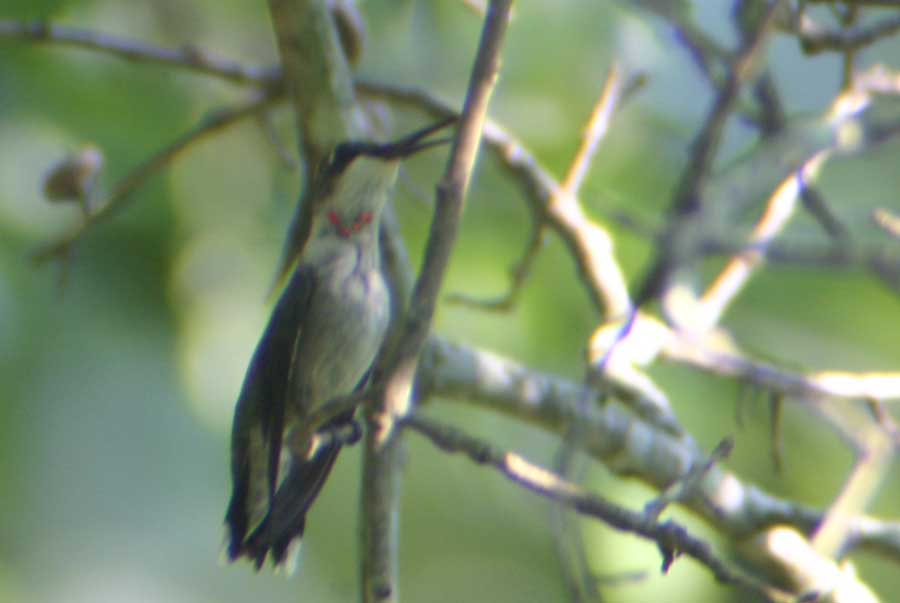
(116, 391)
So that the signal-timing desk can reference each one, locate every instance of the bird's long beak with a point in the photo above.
(410, 144)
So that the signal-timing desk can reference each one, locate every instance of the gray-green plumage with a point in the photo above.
(320, 343)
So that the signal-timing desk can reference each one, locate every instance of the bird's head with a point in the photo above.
(357, 178)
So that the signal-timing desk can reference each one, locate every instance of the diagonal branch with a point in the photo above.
(608, 276)
(672, 539)
(121, 193)
(589, 243)
(687, 203)
(626, 444)
(815, 40)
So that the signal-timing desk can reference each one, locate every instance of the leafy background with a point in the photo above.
(116, 392)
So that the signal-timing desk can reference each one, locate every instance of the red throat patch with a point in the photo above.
(362, 220)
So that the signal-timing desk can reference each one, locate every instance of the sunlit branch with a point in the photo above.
(590, 244)
(865, 480)
(687, 203)
(735, 275)
(564, 202)
(627, 445)
(816, 40)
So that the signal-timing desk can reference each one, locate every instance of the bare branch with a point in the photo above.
(672, 539)
(451, 196)
(590, 244)
(883, 3)
(790, 556)
(596, 129)
(117, 200)
(571, 549)
(317, 75)
(889, 223)
(861, 487)
(687, 201)
(564, 201)
(876, 259)
(709, 56)
(519, 275)
(380, 508)
(815, 40)
(188, 57)
(735, 275)
(383, 441)
(626, 444)
(687, 485)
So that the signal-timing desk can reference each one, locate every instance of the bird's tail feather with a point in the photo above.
(286, 519)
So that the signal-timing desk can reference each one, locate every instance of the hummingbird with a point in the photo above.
(319, 344)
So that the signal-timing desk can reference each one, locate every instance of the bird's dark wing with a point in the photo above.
(286, 519)
(259, 418)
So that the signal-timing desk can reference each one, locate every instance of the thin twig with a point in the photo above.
(188, 57)
(686, 486)
(121, 193)
(706, 53)
(844, 40)
(627, 445)
(451, 196)
(571, 548)
(519, 274)
(738, 271)
(672, 539)
(882, 3)
(564, 202)
(380, 564)
(814, 203)
(860, 488)
(687, 203)
(881, 387)
(589, 243)
(876, 259)
(594, 132)
(887, 221)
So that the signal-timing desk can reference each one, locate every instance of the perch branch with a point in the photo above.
(380, 578)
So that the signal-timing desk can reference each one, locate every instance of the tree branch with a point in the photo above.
(672, 539)
(816, 40)
(687, 202)
(379, 574)
(588, 242)
(188, 57)
(317, 75)
(121, 193)
(626, 444)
